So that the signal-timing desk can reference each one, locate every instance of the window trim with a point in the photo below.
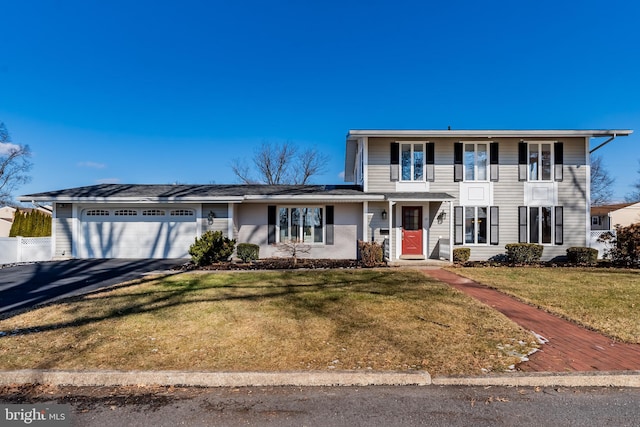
(552, 161)
(488, 163)
(475, 227)
(301, 227)
(424, 160)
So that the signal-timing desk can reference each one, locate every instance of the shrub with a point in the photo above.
(626, 245)
(248, 252)
(370, 253)
(524, 253)
(211, 247)
(582, 255)
(461, 255)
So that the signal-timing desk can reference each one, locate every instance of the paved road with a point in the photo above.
(23, 286)
(363, 406)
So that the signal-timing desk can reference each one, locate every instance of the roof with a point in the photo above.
(605, 209)
(142, 193)
(488, 133)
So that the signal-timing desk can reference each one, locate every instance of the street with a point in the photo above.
(345, 406)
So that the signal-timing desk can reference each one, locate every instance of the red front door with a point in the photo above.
(411, 230)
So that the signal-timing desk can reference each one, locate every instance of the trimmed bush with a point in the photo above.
(461, 255)
(582, 255)
(524, 253)
(370, 253)
(248, 252)
(211, 247)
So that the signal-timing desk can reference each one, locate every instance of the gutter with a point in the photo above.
(604, 143)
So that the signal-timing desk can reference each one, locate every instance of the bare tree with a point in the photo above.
(601, 182)
(14, 165)
(634, 195)
(280, 164)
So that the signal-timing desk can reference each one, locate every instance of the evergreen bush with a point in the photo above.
(524, 253)
(211, 247)
(248, 252)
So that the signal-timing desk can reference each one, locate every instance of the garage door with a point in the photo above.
(126, 232)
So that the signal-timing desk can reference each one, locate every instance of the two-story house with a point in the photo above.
(420, 193)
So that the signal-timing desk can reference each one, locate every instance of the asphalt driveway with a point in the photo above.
(24, 286)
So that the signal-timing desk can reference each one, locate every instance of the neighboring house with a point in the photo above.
(606, 217)
(6, 217)
(6, 220)
(420, 193)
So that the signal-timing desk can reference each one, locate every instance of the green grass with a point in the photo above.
(606, 300)
(316, 320)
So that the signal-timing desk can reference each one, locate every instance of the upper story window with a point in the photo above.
(475, 162)
(540, 161)
(412, 158)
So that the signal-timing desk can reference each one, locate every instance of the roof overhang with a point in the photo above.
(542, 133)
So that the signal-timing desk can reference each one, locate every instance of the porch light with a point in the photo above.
(441, 217)
(210, 217)
(384, 214)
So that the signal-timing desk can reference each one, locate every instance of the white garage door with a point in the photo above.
(126, 232)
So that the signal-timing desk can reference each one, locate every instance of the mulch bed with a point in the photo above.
(278, 264)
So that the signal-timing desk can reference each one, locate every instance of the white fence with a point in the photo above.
(24, 249)
(600, 246)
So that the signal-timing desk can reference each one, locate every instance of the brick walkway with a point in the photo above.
(570, 347)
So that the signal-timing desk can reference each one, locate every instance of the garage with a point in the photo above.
(136, 232)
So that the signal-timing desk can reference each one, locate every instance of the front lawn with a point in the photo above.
(272, 321)
(607, 300)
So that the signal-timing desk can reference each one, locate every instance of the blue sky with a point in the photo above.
(161, 92)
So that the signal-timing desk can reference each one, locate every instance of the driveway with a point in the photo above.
(24, 286)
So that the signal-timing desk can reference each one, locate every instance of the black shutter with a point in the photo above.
(522, 224)
(522, 161)
(457, 161)
(430, 160)
(559, 160)
(329, 224)
(495, 219)
(271, 221)
(559, 219)
(458, 231)
(493, 161)
(534, 225)
(395, 161)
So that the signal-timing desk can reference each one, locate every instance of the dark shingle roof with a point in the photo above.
(130, 192)
(102, 191)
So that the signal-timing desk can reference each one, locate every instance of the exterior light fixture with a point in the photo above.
(441, 217)
(210, 217)
(384, 214)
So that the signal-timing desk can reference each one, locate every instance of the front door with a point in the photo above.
(411, 230)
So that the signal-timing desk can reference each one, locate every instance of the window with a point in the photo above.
(596, 220)
(539, 224)
(153, 212)
(412, 160)
(539, 162)
(301, 224)
(97, 212)
(475, 162)
(125, 212)
(475, 225)
(182, 212)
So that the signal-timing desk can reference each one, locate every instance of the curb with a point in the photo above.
(313, 379)
(212, 379)
(549, 379)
